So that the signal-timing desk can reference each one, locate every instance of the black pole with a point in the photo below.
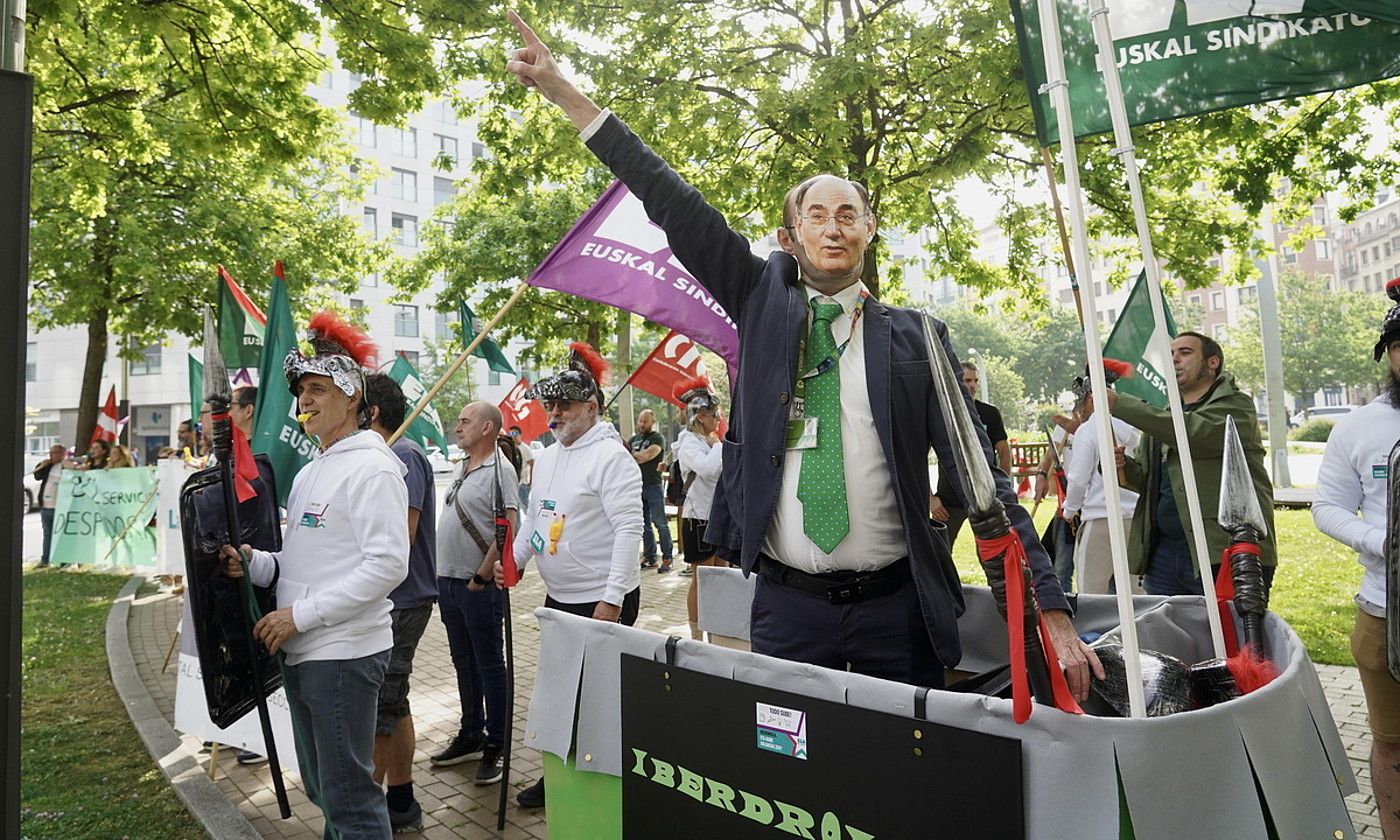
(16, 104)
(993, 525)
(223, 451)
(503, 535)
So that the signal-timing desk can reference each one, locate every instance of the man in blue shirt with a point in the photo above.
(413, 601)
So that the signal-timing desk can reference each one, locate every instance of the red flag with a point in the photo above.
(674, 360)
(519, 410)
(106, 428)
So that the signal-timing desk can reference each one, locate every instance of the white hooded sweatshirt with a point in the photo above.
(345, 550)
(584, 522)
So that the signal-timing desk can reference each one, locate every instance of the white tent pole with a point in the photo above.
(1058, 87)
(1123, 136)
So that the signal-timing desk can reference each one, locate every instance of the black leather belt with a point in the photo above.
(837, 587)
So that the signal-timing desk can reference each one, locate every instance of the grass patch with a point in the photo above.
(1313, 589)
(85, 772)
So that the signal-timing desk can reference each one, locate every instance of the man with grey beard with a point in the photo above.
(584, 521)
(1355, 476)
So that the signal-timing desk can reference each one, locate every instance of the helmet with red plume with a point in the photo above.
(581, 381)
(335, 348)
(696, 394)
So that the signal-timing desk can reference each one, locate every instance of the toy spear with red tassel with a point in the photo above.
(1239, 514)
(999, 550)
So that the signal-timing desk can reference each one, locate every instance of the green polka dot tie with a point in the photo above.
(822, 485)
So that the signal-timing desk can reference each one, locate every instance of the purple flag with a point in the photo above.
(615, 255)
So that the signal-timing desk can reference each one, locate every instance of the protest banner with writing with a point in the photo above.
(1193, 57)
(103, 518)
(519, 410)
(615, 255)
(1130, 342)
(675, 359)
(241, 326)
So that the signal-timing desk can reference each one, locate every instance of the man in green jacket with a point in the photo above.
(1161, 547)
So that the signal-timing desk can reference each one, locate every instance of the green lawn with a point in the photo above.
(85, 772)
(1313, 588)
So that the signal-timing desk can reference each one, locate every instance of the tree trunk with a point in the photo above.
(595, 335)
(93, 364)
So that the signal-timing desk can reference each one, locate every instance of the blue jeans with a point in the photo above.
(333, 704)
(654, 513)
(473, 621)
(523, 491)
(46, 517)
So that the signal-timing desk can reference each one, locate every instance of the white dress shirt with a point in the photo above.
(876, 538)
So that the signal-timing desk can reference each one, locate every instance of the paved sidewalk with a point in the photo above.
(454, 808)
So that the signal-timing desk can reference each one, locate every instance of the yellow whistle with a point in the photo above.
(303, 417)
(556, 530)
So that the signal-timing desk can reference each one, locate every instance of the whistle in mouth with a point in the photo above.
(303, 417)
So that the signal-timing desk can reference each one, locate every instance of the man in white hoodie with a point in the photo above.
(1354, 476)
(345, 550)
(584, 520)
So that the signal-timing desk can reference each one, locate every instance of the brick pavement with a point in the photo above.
(455, 809)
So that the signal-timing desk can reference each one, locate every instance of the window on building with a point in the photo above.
(1320, 214)
(1249, 293)
(1218, 331)
(356, 79)
(403, 184)
(493, 377)
(404, 230)
(357, 303)
(1324, 249)
(445, 325)
(366, 132)
(370, 222)
(447, 150)
(327, 79)
(402, 141)
(443, 191)
(478, 150)
(410, 356)
(370, 280)
(31, 367)
(1376, 252)
(148, 363)
(1195, 300)
(405, 320)
(443, 111)
(1217, 300)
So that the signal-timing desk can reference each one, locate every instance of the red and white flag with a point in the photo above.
(519, 410)
(106, 428)
(675, 359)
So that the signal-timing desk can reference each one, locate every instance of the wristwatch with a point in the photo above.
(481, 581)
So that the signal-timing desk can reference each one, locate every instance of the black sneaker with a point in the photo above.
(463, 748)
(489, 771)
(647, 564)
(248, 757)
(532, 796)
(405, 821)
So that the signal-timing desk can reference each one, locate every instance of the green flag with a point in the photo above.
(1189, 57)
(196, 389)
(426, 429)
(241, 326)
(487, 349)
(276, 432)
(1129, 342)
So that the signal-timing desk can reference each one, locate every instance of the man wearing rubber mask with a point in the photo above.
(584, 522)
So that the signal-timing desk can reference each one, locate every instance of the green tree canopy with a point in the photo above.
(1327, 337)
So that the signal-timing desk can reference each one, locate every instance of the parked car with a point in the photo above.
(1328, 412)
(31, 493)
(442, 464)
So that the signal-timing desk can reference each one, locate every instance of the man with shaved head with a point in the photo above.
(469, 602)
(821, 492)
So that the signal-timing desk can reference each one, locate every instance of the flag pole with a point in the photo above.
(457, 364)
(1064, 232)
(1123, 137)
(1057, 85)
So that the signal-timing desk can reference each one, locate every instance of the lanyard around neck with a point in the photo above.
(832, 358)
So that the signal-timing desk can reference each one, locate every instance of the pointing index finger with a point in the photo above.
(531, 39)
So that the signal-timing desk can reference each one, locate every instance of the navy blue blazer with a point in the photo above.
(769, 304)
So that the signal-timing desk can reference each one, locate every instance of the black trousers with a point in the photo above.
(881, 637)
(631, 606)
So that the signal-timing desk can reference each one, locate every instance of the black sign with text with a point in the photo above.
(705, 757)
